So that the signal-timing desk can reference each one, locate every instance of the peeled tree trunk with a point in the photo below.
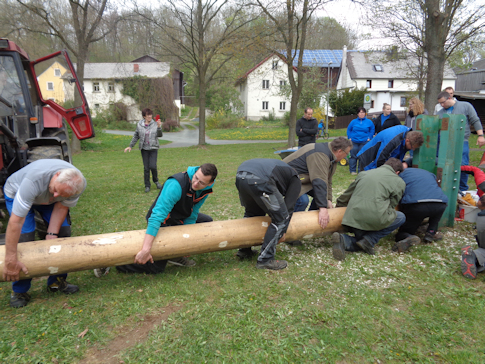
(65, 255)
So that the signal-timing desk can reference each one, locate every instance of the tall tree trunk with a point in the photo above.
(202, 99)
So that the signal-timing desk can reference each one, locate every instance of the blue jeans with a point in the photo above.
(465, 160)
(302, 203)
(28, 234)
(372, 237)
(356, 147)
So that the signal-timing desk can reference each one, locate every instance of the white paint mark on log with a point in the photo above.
(53, 270)
(55, 249)
(222, 244)
(186, 236)
(107, 241)
(265, 224)
(308, 236)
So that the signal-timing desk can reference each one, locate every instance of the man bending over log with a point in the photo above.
(268, 186)
(50, 187)
(178, 203)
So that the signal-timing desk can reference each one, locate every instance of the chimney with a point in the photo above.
(136, 68)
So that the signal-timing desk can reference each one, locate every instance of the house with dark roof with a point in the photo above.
(388, 78)
(470, 86)
(260, 88)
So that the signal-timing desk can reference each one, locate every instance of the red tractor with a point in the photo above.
(33, 118)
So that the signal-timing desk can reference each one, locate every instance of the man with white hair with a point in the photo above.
(50, 187)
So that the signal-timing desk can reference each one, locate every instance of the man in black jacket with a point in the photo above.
(268, 186)
(306, 128)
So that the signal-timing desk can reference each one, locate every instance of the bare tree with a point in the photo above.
(203, 35)
(290, 20)
(431, 29)
(77, 35)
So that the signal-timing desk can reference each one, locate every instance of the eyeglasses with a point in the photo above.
(196, 179)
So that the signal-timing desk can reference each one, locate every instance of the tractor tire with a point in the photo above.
(62, 134)
(44, 152)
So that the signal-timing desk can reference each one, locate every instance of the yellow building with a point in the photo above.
(51, 84)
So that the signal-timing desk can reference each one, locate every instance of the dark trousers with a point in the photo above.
(157, 266)
(149, 164)
(416, 213)
(260, 198)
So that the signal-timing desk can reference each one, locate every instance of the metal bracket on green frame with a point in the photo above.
(451, 129)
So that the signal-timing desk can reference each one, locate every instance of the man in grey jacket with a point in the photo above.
(453, 106)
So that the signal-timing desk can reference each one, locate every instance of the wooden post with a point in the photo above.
(452, 133)
(65, 255)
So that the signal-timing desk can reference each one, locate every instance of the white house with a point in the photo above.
(387, 80)
(260, 88)
(102, 83)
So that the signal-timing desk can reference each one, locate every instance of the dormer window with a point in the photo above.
(378, 68)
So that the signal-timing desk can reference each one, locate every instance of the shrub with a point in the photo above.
(114, 117)
(221, 120)
(170, 125)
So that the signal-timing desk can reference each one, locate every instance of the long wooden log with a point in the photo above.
(63, 255)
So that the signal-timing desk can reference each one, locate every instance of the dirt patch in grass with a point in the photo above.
(132, 335)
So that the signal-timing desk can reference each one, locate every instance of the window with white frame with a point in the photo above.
(50, 86)
(96, 106)
(403, 101)
(265, 105)
(265, 84)
(282, 83)
(95, 86)
(111, 87)
(390, 83)
(275, 65)
(57, 72)
(368, 83)
(282, 105)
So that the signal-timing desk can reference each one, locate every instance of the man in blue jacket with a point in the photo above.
(393, 142)
(178, 203)
(422, 198)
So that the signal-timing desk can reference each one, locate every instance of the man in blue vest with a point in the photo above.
(392, 142)
(178, 203)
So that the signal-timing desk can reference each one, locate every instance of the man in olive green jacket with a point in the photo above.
(371, 201)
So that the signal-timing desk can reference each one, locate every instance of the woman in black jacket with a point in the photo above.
(386, 119)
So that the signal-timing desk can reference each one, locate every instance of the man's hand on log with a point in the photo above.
(323, 217)
(11, 270)
(143, 256)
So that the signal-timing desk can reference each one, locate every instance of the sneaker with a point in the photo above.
(62, 286)
(272, 264)
(147, 189)
(468, 262)
(366, 246)
(338, 249)
(430, 237)
(18, 300)
(404, 245)
(246, 253)
(99, 272)
(353, 173)
(182, 262)
(159, 186)
(294, 243)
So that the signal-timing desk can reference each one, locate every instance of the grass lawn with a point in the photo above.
(261, 133)
(387, 308)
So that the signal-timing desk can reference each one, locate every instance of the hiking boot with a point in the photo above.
(294, 243)
(272, 264)
(404, 245)
(366, 246)
(338, 249)
(422, 229)
(99, 272)
(62, 286)
(147, 189)
(246, 253)
(159, 186)
(468, 262)
(18, 300)
(430, 237)
(182, 262)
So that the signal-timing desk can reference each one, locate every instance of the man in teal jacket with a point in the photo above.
(371, 201)
(178, 203)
